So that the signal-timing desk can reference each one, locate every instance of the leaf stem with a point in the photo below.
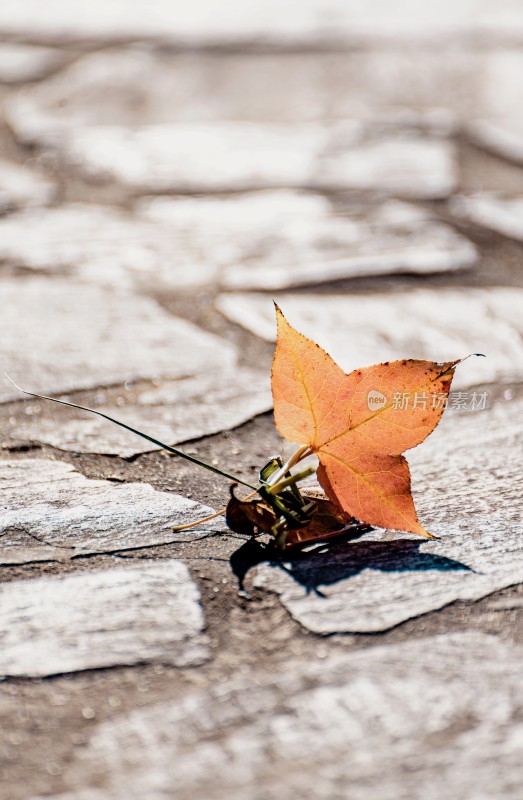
(297, 456)
(219, 513)
(293, 479)
(187, 525)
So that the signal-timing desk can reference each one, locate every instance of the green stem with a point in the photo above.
(297, 456)
(279, 487)
(164, 446)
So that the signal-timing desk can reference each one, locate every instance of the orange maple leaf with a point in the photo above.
(359, 448)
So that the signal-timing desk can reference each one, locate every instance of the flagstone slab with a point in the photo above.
(151, 87)
(51, 512)
(108, 247)
(138, 85)
(60, 335)
(257, 240)
(171, 412)
(193, 158)
(467, 487)
(275, 240)
(20, 186)
(126, 615)
(132, 92)
(160, 124)
(436, 324)
(160, 153)
(494, 211)
(456, 695)
(309, 22)
(238, 156)
(498, 123)
(408, 164)
(504, 137)
(27, 62)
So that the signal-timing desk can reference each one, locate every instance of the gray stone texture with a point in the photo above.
(27, 62)
(494, 211)
(363, 711)
(171, 412)
(51, 512)
(308, 22)
(21, 186)
(259, 240)
(435, 324)
(126, 615)
(103, 338)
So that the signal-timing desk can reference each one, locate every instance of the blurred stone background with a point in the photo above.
(166, 171)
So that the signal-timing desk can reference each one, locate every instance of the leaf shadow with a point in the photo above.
(335, 562)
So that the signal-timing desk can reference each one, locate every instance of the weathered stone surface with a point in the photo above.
(409, 164)
(307, 22)
(497, 212)
(128, 615)
(27, 62)
(103, 338)
(260, 240)
(437, 324)
(467, 488)
(230, 156)
(135, 86)
(454, 695)
(240, 156)
(274, 240)
(498, 123)
(20, 186)
(156, 152)
(52, 512)
(173, 412)
(110, 93)
(146, 124)
(148, 87)
(107, 246)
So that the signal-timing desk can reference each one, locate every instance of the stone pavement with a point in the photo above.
(166, 170)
